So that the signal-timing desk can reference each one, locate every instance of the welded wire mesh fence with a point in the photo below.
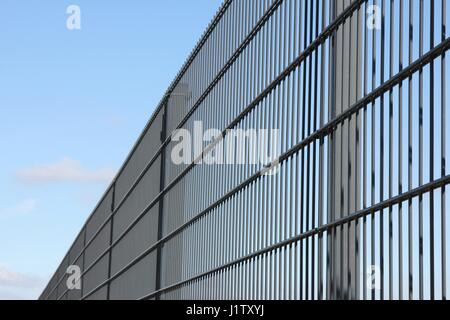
(357, 208)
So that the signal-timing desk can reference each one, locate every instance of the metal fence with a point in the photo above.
(357, 210)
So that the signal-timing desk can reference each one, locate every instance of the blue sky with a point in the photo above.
(72, 104)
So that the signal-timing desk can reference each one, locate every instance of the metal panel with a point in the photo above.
(136, 282)
(96, 276)
(77, 247)
(100, 294)
(139, 199)
(141, 237)
(99, 217)
(139, 160)
(97, 246)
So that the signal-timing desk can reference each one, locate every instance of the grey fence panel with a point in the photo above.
(51, 287)
(142, 236)
(53, 296)
(99, 217)
(138, 200)
(96, 276)
(137, 281)
(139, 160)
(99, 244)
(100, 294)
(77, 247)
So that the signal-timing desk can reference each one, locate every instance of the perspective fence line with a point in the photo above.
(357, 206)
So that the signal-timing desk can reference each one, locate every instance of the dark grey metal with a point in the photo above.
(443, 152)
(161, 202)
(108, 293)
(400, 158)
(410, 154)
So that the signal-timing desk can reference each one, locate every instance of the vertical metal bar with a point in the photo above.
(266, 181)
(339, 159)
(278, 124)
(297, 47)
(84, 263)
(410, 155)
(421, 155)
(400, 157)
(391, 147)
(111, 223)
(321, 157)
(381, 159)
(341, 153)
(314, 110)
(331, 207)
(365, 158)
(283, 168)
(348, 164)
(443, 154)
(161, 202)
(292, 140)
(372, 224)
(308, 155)
(302, 226)
(357, 185)
(290, 165)
(432, 153)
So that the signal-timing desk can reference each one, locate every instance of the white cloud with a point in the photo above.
(19, 286)
(66, 170)
(9, 278)
(23, 207)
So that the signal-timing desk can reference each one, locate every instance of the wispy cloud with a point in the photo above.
(23, 207)
(9, 278)
(66, 170)
(18, 286)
